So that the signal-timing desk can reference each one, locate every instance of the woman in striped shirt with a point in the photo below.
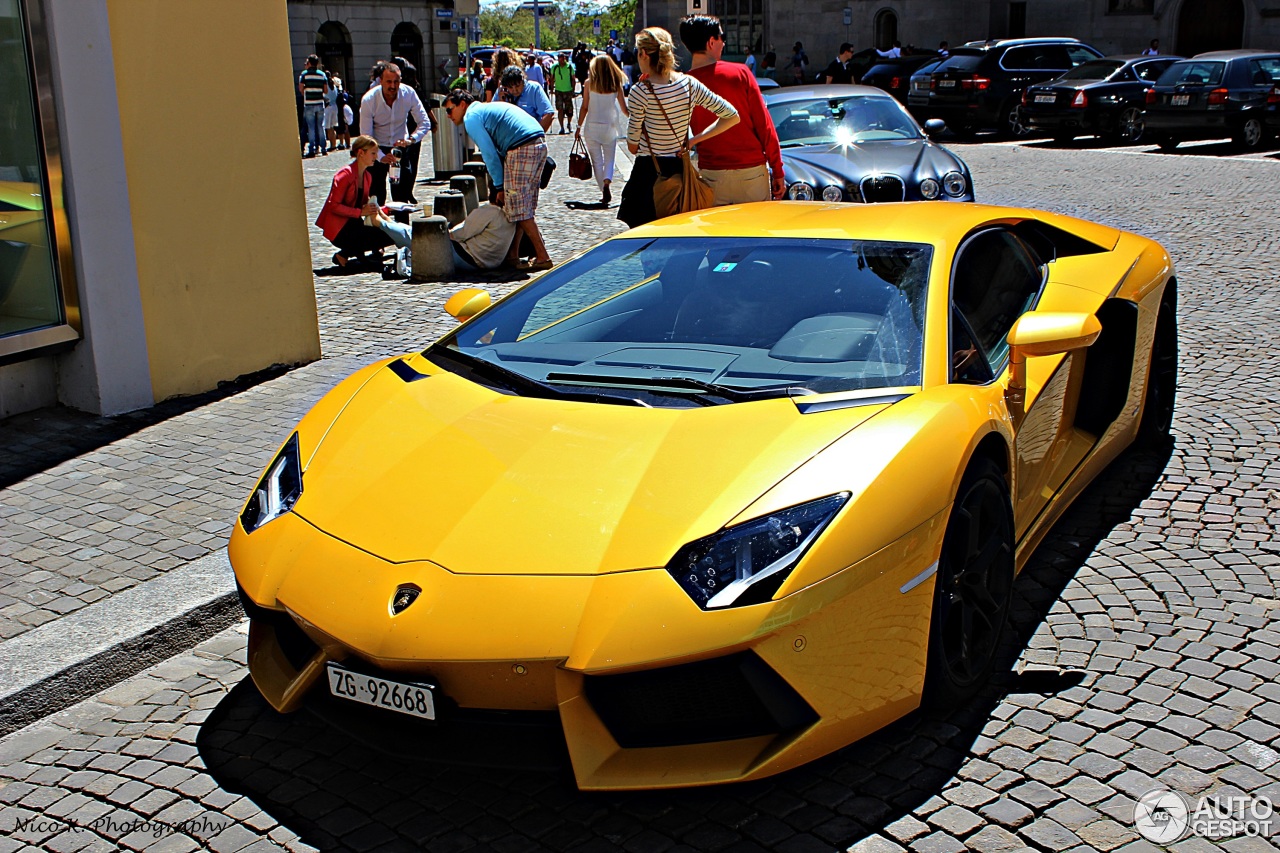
(658, 139)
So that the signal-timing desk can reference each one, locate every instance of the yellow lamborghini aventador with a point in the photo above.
(722, 494)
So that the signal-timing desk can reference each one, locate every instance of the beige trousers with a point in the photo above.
(738, 186)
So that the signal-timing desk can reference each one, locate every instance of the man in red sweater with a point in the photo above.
(738, 163)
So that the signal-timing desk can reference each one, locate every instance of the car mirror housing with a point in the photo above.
(934, 126)
(465, 304)
(1038, 333)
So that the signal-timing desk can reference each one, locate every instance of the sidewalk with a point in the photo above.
(96, 513)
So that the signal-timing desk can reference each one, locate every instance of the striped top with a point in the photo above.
(313, 81)
(678, 99)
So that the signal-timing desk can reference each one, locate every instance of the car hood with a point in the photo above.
(480, 482)
(911, 159)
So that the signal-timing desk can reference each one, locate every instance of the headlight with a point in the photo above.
(278, 490)
(800, 191)
(955, 184)
(746, 564)
(832, 194)
(930, 189)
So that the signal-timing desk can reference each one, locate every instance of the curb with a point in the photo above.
(52, 667)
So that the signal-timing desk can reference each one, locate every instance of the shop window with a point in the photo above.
(743, 24)
(33, 306)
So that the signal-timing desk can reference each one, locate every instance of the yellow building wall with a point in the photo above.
(215, 188)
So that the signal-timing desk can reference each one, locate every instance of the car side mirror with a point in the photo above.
(1038, 333)
(465, 304)
(934, 126)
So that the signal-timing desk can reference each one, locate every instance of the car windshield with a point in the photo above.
(697, 321)
(961, 61)
(1192, 73)
(1098, 69)
(841, 121)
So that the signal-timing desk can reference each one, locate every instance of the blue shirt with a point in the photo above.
(496, 128)
(535, 102)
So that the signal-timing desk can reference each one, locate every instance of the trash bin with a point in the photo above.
(449, 144)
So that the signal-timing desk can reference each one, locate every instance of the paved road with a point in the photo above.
(1159, 594)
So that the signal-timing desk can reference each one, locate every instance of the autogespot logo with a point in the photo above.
(1163, 817)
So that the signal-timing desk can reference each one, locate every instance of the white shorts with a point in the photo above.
(330, 116)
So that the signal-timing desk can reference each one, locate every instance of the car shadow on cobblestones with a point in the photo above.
(337, 793)
(39, 440)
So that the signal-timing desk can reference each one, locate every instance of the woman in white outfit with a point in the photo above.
(602, 106)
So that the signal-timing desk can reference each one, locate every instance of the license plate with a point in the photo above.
(1179, 100)
(946, 84)
(1045, 99)
(416, 700)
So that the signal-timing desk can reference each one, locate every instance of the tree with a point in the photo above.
(563, 25)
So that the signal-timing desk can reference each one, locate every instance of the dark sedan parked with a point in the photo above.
(1212, 95)
(855, 143)
(894, 75)
(1104, 97)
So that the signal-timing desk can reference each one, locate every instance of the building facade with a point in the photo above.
(153, 237)
(1184, 27)
(349, 36)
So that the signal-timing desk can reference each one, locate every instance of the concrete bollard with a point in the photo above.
(451, 205)
(432, 252)
(477, 170)
(465, 184)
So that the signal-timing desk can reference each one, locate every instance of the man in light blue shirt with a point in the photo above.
(514, 148)
(527, 95)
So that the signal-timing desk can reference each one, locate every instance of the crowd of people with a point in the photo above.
(638, 98)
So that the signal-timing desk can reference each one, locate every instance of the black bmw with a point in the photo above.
(1103, 96)
(858, 144)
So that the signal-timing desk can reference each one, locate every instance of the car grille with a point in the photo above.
(883, 188)
(737, 696)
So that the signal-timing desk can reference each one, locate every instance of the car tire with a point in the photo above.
(1012, 121)
(1130, 126)
(1162, 376)
(1252, 134)
(973, 589)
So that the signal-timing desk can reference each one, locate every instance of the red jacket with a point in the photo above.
(751, 142)
(343, 204)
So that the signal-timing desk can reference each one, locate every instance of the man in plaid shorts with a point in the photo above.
(514, 149)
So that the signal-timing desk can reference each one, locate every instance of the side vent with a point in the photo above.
(401, 368)
(1108, 367)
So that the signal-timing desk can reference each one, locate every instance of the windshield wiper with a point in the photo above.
(681, 385)
(520, 384)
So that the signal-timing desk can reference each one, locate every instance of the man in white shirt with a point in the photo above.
(384, 115)
(893, 52)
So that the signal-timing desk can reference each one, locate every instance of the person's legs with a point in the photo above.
(523, 171)
(378, 188)
(592, 137)
(315, 130)
(402, 190)
(461, 260)
(356, 238)
(400, 233)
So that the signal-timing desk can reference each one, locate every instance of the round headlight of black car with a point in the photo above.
(832, 194)
(930, 189)
(800, 191)
(955, 184)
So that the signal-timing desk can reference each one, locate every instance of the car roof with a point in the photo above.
(1234, 54)
(939, 224)
(993, 43)
(837, 90)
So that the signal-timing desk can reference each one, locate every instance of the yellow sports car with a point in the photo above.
(722, 494)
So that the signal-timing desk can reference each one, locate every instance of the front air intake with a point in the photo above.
(738, 696)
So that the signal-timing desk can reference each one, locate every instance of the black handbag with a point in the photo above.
(579, 162)
(547, 169)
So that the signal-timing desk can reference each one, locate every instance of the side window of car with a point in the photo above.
(996, 279)
(1077, 54)
(1126, 75)
(1149, 71)
(1054, 58)
(968, 364)
(1264, 72)
(1019, 59)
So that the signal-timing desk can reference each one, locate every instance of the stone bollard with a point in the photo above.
(465, 184)
(432, 251)
(477, 170)
(451, 205)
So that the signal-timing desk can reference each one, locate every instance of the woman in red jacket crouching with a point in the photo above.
(342, 217)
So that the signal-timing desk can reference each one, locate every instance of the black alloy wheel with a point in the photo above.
(973, 589)
(1162, 378)
(1130, 125)
(1015, 123)
(1251, 134)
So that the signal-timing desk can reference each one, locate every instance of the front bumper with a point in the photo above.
(649, 690)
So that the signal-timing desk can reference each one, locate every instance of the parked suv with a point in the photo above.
(980, 85)
(1222, 93)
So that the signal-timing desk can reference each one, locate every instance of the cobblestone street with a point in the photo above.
(1143, 650)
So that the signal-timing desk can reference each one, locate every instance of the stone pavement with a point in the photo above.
(1142, 652)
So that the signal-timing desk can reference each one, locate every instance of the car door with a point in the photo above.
(996, 279)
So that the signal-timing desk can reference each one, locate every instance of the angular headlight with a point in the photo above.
(832, 194)
(954, 183)
(800, 191)
(278, 490)
(930, 189)
(746, 564)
